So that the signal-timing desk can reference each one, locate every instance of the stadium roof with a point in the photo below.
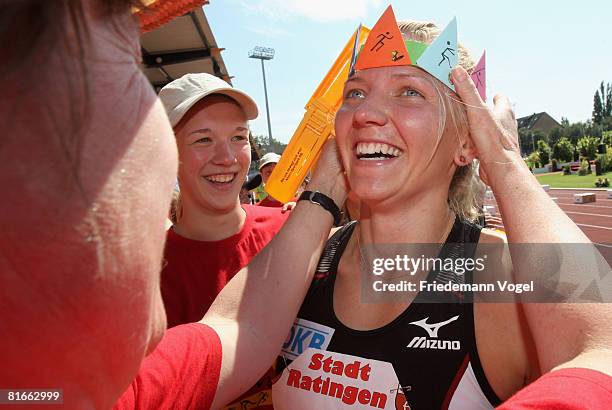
(184, 45)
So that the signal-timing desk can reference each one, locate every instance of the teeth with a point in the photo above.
(377, 148)
(221, 178)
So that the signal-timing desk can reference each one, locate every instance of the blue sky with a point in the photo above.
(544, 56)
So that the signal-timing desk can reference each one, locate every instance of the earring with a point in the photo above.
(462, 159)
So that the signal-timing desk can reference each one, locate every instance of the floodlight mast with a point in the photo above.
(264, 53)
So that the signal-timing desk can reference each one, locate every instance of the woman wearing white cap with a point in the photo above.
(267, 163)
(213, 230)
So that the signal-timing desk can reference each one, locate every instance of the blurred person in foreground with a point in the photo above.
(81, 249)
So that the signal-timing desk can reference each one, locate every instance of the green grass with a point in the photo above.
(558, 180)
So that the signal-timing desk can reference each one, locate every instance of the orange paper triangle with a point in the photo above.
(385, 46)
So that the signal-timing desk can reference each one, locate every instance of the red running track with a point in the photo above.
(595, 218)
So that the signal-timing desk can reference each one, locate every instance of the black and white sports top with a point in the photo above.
(426, 358)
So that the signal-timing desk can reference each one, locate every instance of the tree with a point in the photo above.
(587, 146)
(606, 124)
(608, 106)
(602, 103)
(539, 135)
(533, 160)
(607, 137)
(525, 141)
(573, 131)
(592, 129)
(554, 136)
(563, 150)
(564, 122)
(267, 144)
(598, 107)
(544, 152)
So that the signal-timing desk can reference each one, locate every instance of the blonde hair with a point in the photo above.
(462, 194)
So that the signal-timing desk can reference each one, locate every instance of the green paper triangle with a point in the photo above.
(415, 49)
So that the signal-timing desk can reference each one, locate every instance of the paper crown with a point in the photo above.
(385, 47)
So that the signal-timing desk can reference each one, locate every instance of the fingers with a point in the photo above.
(477, 111)
(502, 106)
(503, 112)
(466, 88)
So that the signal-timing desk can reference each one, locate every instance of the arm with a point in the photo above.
(565, 334)
(254, 312)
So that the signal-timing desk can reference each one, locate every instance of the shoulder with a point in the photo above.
(493, 248)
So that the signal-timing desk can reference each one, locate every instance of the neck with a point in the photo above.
(424, 219)
(203, 225)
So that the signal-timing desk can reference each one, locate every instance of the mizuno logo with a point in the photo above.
(425, 343)
(432, 329)
(421, 342)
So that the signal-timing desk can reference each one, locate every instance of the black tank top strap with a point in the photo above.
(334, 248)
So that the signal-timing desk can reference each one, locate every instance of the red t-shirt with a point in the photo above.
(196, 271)
(565, 389)
(181, 373)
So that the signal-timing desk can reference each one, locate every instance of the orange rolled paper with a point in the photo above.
(314, 129)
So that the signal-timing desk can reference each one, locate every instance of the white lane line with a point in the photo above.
(597, 194)
(583, 205)
(599, 198)
(594, 226)
(584, 213)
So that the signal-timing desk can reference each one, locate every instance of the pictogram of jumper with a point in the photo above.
(381, 40)
(445, 57)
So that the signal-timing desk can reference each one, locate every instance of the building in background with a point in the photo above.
(541, 121)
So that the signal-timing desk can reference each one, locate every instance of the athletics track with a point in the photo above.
(595, 218)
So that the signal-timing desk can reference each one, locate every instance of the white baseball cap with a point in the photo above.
(269, 158)
(182, 94)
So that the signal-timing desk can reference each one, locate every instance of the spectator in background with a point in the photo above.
(267, 163)
(214, 235)
(246, 196)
